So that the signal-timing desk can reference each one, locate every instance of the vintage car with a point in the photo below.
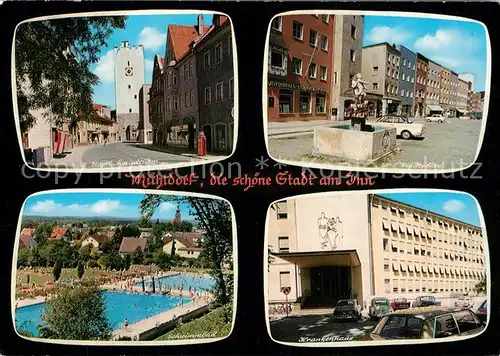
(426, 323)
(405, 128)
(435, 118)
(425, 301)
(463, 302)
(347, 309)
(379, 307)
(482, 311)
(400, 303)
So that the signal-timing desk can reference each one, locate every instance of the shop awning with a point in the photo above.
(401, 228)
(385, 225)
(441, 270)
(322, 258)
(409, 229)
(417, 268)
(436, 270)
(394, 227)
(403, 267)
(429, 268)
(395, 266)
(447, 270)
(410, 267)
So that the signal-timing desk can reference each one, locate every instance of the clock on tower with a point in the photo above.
(129, 71)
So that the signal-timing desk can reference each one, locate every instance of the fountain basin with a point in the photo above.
(361, 147)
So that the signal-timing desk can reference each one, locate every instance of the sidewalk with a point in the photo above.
(181, 151)
(72, 160)
(292, 128)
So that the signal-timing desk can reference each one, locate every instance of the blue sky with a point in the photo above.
(148, 30)
(458, 206)
(459, 45)
(119, 205)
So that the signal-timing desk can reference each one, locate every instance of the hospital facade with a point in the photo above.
(326, 248)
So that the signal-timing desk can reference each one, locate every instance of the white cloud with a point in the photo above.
(453, 206)
(166, 207)
(101, 207)
(151, 38)
(105, 68)
(387, 34)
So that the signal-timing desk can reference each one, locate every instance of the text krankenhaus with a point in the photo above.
(295, 86)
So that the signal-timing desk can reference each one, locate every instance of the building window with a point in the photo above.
(277, 24)
(284, 280)
(283, 243)
(298, 31)
(325, 18)
(375, 70)
(129, 86)
(128, 63)
(231, 88)
(129, 110)
(186, 71)
(402, 92)
(191, 97)
(387, 284)
(305, 102)
(191, 69)
(208, 95)
(387, 267)
(277, 59)
(323, 73)
(135, 96)
(335, 78)
(313, 38)
(297, 66)
(403, 76)
(174, 78)
(281, 210)
(286, 101)
(206, 59)
(176, 103)
(187, 104)
(312, 70)
(375, 86)
(320, 103)
(324, 43)
(353, 55)
(353, 32)
(385, 244)
(219, 92)
(218, 53)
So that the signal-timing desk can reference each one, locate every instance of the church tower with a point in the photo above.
(177, 218)
(129, 77)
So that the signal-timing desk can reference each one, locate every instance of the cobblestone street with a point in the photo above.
(449, 145)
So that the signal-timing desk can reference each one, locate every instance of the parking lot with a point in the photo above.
(448, 145)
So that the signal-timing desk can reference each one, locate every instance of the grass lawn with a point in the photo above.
(212, 324)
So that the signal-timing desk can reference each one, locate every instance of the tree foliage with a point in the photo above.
(480, 287)
(137, 256)
(56, 271)
(215, 217)
(76, 313)
(80, 270)
(59, 83)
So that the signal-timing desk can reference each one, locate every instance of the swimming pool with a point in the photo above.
(120, 306)
(202, 283)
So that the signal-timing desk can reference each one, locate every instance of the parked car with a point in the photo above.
(405, 128)
(379, 307)
(463, 302)
(400, 303)
(426, 323)
(482, 311)
(425, 301)
(435, 118)
(347, 309)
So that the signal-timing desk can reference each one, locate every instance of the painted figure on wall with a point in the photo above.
(331, 233)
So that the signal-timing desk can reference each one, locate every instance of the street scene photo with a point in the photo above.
(138, 90)
(401, 93)
(124, 267)
(374, 268)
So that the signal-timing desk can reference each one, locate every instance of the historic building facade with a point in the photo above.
(145, 129)
(433, 96)
(421, 86)
(407, 73)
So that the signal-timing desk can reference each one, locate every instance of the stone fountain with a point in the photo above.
(358, 142)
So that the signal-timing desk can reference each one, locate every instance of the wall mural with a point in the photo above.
(331, 233)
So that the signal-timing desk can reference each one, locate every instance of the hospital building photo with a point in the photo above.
(323, 248)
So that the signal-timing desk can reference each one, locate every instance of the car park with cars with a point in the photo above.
(347, 309)
(425, 301)
(400, 303)
(379, 307)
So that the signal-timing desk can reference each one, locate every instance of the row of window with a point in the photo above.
(442, 272)
(410, 286)
(286, 103)
(311, 71)
(219, 92)
(218, 54)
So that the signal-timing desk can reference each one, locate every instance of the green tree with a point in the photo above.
(85, 253)
(43, 232)
(480, 287)
(155, 240)
(56, 271)
(80, 270)
(58, 81)
(23, 257)
(76, 313)
(138, 256)
(162, 260)
(215, 217)
(127, 262)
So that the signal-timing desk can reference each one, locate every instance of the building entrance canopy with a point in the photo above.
(322, 258)
(435, 108)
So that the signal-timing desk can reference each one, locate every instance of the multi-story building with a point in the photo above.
(387, 248)
(468, 77)
(421, 86)
(453, 110)
(215, 77)
(475, 103)
(157, 102)
(434, 89)
(98, 128)
(445, 90)
(181, 115)
(300, 67)
(380, 67)
(129, 79)
(348, 42)
(462, 96)
(408, 63)
(145, 130)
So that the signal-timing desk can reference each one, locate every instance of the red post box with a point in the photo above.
(202, 144)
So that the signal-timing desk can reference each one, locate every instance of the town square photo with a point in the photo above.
(400, 92)
(124, 266)
(121, 90)
(407, 266)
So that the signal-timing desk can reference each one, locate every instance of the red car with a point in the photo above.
(400, 303)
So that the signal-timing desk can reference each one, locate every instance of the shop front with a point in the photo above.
(294, 102)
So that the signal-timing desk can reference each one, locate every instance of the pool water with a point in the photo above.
(119, 305)
(202, 283)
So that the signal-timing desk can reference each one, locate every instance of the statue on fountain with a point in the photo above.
(359, 110)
